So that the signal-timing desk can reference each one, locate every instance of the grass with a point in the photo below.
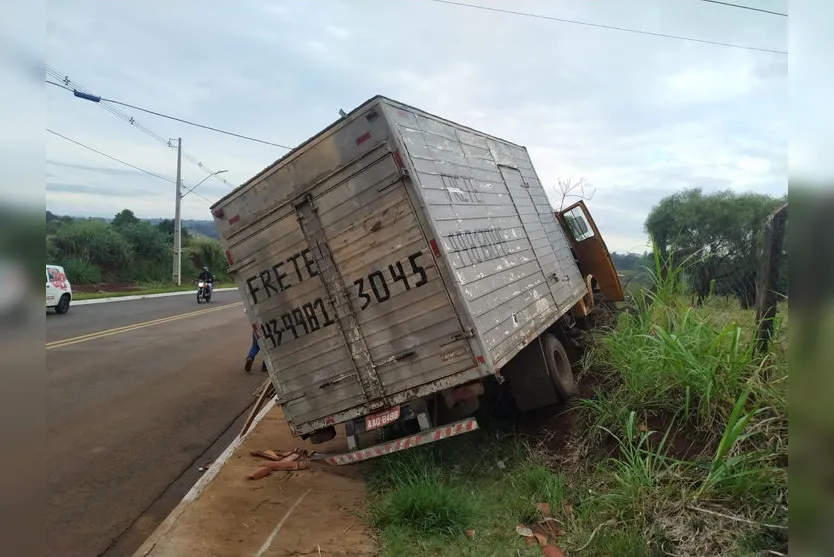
(425, 499)
(681, 450)
(141, 290)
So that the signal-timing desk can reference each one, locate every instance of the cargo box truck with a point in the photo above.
(394, 262)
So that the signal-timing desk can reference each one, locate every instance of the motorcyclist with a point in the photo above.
(207, 277)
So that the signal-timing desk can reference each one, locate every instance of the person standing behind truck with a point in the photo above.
(253, 351)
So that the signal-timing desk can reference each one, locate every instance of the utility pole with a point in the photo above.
(177, 220)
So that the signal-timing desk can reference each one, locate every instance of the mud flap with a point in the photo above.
(422, 438)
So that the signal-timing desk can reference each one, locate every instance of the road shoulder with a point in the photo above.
(303, 512)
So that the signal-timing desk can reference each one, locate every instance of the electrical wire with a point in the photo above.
(182, 120)
(743, 7)
(75, 87)
(155, 175)
(609, 27)
(190, 123)
(111, 157)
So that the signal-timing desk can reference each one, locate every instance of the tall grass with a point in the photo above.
(681, 450)
(665, 359)
(720, 411)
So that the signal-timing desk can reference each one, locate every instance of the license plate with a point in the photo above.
(382, 419)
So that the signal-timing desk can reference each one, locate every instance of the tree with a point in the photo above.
(152, 251)
(167, 227)
(123, 218)
(127, 249)
(719, 237)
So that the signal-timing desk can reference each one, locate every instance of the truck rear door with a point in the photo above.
(346, 297)
(590, 249)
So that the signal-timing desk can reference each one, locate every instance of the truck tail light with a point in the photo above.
(435, 249)
(229, 257)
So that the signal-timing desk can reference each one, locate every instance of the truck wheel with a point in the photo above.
(63, 304)
(558, 366)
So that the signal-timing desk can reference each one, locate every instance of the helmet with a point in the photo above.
(206, 269)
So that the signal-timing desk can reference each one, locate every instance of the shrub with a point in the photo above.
(81, 272)
(95, 243)
(208, 253)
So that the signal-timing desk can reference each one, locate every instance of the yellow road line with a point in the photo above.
(135, 326)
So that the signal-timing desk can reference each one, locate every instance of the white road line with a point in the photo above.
(278, 526)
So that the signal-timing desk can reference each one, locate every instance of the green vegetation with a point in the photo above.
(680, 450)
(425, 499)
(634, 270)
(138, 290)
(720, 234)
(126, 250)
(679, 446)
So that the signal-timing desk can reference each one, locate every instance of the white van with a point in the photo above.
(58, 289)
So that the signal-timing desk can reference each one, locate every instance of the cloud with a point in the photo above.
(95, 191)
(639, 116)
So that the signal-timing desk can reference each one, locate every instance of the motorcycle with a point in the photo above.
(203, 291)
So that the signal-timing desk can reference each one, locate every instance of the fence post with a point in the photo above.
(771, 264)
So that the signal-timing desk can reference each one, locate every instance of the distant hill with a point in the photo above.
(199, 227)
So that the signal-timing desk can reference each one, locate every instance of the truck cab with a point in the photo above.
(592, 257)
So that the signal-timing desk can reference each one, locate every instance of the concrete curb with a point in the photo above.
(141, 297)
(162, 530)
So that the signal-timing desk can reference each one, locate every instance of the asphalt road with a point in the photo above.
(140, 394)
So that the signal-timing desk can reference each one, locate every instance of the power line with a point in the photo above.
(740, 6)
(233, 134)
(155, 175)
(176, 119)
(609, 27)
(77, 88)
(111, 157)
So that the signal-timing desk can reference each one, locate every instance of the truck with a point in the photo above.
(395, 263)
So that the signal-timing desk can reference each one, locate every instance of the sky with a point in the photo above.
(638, 117)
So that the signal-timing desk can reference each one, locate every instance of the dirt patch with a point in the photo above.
(317, 511)
(684, 443)
(106, 287)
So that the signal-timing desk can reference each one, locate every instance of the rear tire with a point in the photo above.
(63, 304)
(559, 367)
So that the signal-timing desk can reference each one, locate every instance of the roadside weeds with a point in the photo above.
(679, 449)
